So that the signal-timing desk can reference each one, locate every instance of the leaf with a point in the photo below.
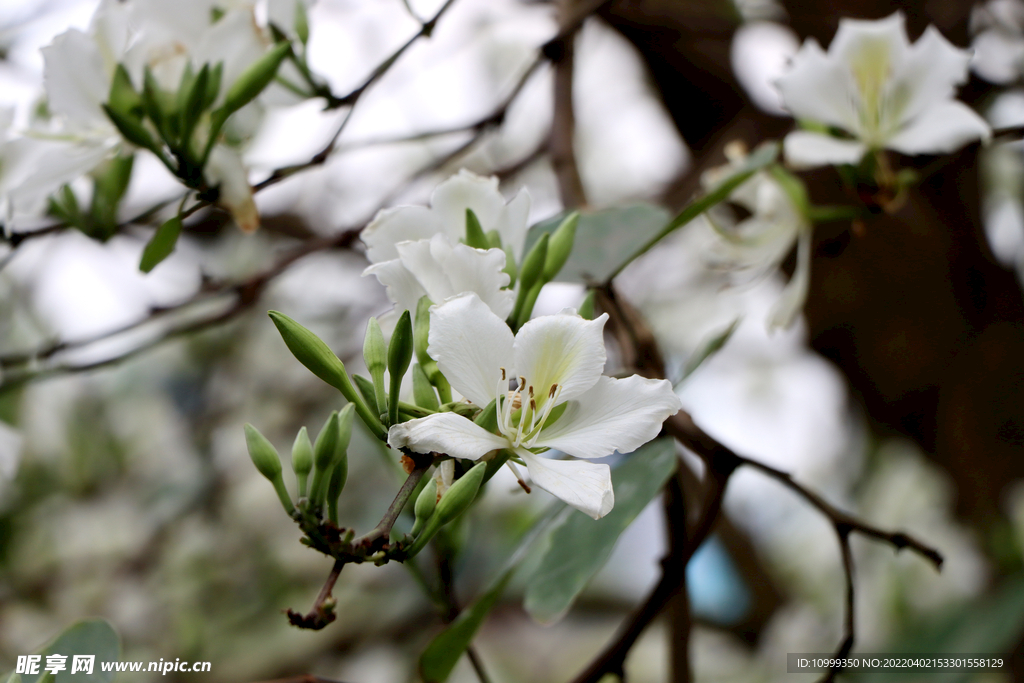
(580, 546)
(602, 239)
(444, 651)
(161, 244)
(92, 637)
(442, 654)
(709, 348)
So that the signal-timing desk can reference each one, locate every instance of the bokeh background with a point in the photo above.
(126, 491)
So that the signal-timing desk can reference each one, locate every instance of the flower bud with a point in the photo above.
(365, 388)
(587, 307)
(375, 355)
(312, 352)
(560, 246)
(254, 79)
(421, 332)
(123, 97)
(191, 96)
(323, 458)
(529, 275)
(399, 357)
(422, 391)
(452, 504)
(475, 236)
(302, 459)
(424, 506)
(130, 128)
(268, 463)
(301, 22)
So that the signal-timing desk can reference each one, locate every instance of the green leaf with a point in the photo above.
(91, 637)
(603, 238)
(443, 653)
(161, 244)
(709, 348)
(580, 546)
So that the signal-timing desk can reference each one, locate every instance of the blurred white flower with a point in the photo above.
(415, 250)
(561, 401)
(881, 90)
(752, 248)
(999, 40)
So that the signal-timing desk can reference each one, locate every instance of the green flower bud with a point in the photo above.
(488, 417)
(254, 79)
(365, 388)
(268, 463)
(131, 129)
(529, 274)
(302, 459)
(191, 97)
(510, 266)
(422, 390)
(301, 22)
(323, 458)
(424, 506)
(455, 501)
(475, 236)
(560, 246)
(339, 468)
(399, 356)
(493, 239)
(160, 106)
(587, 307)
(421, 331)
(123, 97)
(344, 429)
(375, 355)
(312, 352)
(109, 186)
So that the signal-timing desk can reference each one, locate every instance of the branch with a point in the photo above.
(377, 538)
(563, 122)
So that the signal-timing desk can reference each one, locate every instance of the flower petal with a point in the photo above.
(820, 88)
(513, 224)
(789, 305)
(76, 83)
(945, 127)
(805, 149)
(447, 433)
(584, 485)
(615, 415)
(857, 38)
(467, 190)
(929, 75)
(402, 286)
(470, 345)
(225, 169)
(394, 225)
(563, 349)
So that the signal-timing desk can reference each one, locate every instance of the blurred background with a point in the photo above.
(126, 491)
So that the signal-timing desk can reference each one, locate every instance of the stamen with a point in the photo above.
(519, 478)
(548, 407)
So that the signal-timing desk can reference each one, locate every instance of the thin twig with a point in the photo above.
(563, 121)
(322, 612)
(378, 536)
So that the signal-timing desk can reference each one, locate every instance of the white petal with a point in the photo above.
(463, 191)
(945, 127)
(471, 345)
(615, 415)
(819, 88)
(402, 286)
(480, 271)
(513, 225)
(447, 433)
(563, 349)
(398, 224)
(233, 40)
(789, 305)
(857, 37)
(584, 485)
(805, 149)
(76, 83)
(929, 75)
(998, 56)
(225, 169)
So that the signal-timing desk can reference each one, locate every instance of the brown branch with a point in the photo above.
(322, 612)
(561, 143)
(377, 538)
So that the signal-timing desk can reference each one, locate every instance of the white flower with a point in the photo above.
(999, 43)
(883, 91)
(447, 216)
(755, 247)
(561, 400)
(436, 269)
(415, 250)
